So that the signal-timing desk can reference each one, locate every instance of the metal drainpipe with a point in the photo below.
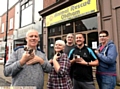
(6, 32)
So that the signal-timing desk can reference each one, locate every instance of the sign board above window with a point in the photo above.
(79, 9)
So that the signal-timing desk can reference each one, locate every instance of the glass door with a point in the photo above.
(51, 42)
(93, 40)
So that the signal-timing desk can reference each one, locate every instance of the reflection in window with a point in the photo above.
(86, 24)
(57, 0)
(50, 48)
(26, 3)
(53, 31)
(79, 26)
(67, 28)
(92, 37)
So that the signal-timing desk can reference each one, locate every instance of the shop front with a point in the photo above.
(9, 48)
(87, 17)
(77, 18)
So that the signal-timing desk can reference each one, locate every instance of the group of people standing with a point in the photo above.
(70, 67)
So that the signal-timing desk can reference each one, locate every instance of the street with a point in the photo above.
(4, 83)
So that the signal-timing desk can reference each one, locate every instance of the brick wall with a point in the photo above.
(47, 3)
(11, 14)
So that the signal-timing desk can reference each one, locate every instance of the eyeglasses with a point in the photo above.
(102, 36)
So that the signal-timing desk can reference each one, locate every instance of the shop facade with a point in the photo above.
(87, 17)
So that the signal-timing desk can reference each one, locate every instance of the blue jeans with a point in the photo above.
(106, 81)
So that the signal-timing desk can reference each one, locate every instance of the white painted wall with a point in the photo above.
(17, 16)
(38, 6)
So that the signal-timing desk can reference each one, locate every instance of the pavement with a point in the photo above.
(6, 81)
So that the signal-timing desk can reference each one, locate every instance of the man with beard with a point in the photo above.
(70, 43)
(82, 59)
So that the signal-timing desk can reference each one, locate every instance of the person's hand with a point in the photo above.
(34, 60)
(96, 51)
(82, 61)
(56, 57)
(26, 57)
(78, 59)
(51, 61)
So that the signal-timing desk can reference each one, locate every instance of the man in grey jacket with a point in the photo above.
(27, 69)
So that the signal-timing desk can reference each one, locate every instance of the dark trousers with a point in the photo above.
(83, 85)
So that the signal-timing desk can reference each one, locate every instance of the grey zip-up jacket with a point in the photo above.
(27, 75)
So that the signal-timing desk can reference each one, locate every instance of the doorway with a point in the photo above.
(51, 42)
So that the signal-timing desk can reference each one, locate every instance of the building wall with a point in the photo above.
(47, 3)
(0, 23)
(11, 17)
(17, 16)
(38, 6)
(11, 14)
(116, 28)
(3, 20)
(109, 15)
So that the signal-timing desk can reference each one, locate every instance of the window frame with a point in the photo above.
(11, 24)
(3, 28)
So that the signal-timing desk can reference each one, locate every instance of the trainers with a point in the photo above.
(118, 84)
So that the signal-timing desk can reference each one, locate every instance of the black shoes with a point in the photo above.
(118, 84)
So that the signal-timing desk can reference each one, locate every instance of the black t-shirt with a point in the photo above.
(82, 72)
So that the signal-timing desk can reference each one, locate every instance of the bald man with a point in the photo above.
(25, 68)
(70, 43)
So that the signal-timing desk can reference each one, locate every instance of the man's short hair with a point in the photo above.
(104, 31)
(30, 31)
(81, 34)
(70, 34)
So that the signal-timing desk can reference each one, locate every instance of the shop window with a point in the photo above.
(54, 31)
(23, 6)
(2, 28)
(67, 28)
(26, 3)
(50, 48)
(11, 23)
(93, 38)
(86, 24)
